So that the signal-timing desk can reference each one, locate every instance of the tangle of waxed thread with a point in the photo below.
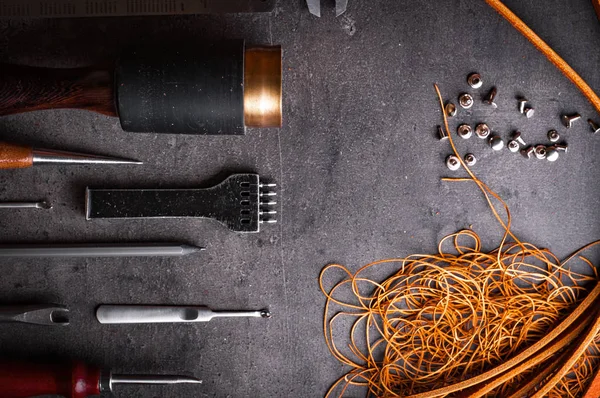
(442, 318)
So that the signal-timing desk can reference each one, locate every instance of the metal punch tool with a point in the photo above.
(314, 6)
(35, 314)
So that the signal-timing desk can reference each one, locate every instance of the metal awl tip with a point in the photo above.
(26, 205)
(38, 314)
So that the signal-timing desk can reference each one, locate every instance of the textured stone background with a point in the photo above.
(357, 163)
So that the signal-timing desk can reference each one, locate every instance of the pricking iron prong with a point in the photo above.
(236, 202)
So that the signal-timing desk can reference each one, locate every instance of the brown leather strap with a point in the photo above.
(593, 390)
(596, 4)
(566, 324)
(542, 355)
(539, 375)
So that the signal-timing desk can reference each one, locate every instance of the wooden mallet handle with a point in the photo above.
(25, 88)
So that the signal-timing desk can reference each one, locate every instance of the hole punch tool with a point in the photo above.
(35, 314)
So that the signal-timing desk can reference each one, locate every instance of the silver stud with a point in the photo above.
(474, 80)
(470, 159)
(450, 109)
(464, 131)
(522, 103)
(562, 147)
(594, 126)
(496, 143)
(482, 130)
(553, 135)
(540, 151)
(453, 163)
(513, 146)
(527, 153)
(568, 120)
(442, 134)
(466, 101)
(551, 154)
(528, 111)
(517, 136)
(489, 99)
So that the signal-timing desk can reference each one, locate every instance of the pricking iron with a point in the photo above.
(241, 202)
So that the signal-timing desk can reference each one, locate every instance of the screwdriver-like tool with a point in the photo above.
(13, 156)
(125, 314)
(24, 380)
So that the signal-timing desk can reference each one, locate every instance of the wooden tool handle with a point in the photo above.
(25, 89)
(14, 156)
(21, 380)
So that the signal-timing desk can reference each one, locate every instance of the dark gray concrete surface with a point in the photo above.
(357, 163)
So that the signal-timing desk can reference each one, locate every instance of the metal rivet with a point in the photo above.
(529, 112)
(562, 147)
(551, 154)
(470, 159)
(489, 99)
(474, 80)
(522, 103)
(442, 134)
(594, 126)
(517, 136)
(464, 131)
(482, 130)
(513, 146)
(450, 109)
(553, 135)
(527, 152)
(466, 101)
(496, 143)
(568, 120)
(540, 151)
(453, 163)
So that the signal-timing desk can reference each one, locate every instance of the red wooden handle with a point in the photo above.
(20, 380)
(25, 89)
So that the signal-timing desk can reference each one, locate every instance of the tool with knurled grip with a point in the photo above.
(24, 380)
(215, 88)
(242, 202)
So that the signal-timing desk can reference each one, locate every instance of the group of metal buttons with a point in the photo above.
(516, 144)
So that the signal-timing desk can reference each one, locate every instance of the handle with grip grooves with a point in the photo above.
(23, 380)
(26, 88)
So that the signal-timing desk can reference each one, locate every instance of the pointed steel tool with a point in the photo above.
(36, 314)
(25, 205)
(99, 250)
(126, 314)
(13, 156)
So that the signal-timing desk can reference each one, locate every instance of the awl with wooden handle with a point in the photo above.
(14, 156)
